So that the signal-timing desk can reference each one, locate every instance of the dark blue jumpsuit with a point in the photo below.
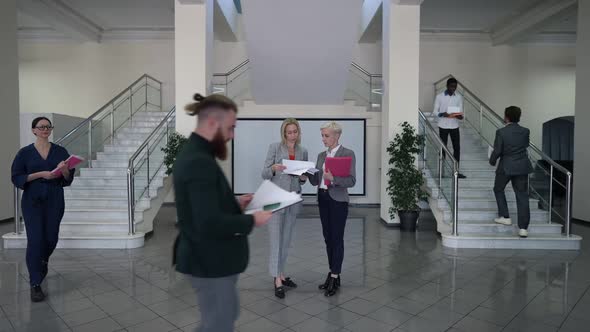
(42, 205)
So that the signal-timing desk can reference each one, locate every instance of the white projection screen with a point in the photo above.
(253, 136)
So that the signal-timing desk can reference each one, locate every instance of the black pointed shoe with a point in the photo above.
(332, 287)
(37, 294)
(280, 292)
(325, 284)
(289, 283)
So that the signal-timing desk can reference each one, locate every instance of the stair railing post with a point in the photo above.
(568, 209)
(130, 201)
(113, 124)
(16, 211)
(131, 106)
(90, 144)
(456, 202)
(550, 193)
(480, 118)
(440, 169)
(148, 170)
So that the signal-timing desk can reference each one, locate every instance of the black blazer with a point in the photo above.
(212, 241)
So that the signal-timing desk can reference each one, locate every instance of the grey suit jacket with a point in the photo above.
(338, 188)
(276, 153)
(510, 146)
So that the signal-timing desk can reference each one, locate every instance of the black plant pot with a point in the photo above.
(408, 220)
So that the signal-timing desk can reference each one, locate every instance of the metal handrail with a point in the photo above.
(109, 103)
(497, 117)
(236, 68)
(553, 165)
(131, 169)
(442, 153)
(364, 71)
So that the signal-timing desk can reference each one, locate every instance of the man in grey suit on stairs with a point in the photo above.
(510, 146)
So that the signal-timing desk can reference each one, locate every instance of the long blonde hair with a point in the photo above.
(290, 121)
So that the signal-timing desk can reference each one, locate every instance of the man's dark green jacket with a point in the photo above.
(213, 237)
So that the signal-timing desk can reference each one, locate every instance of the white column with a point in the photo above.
(401, 52)
(193, 46)
(581, 208)
(9, 107)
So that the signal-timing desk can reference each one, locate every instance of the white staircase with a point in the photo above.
(96, 213)
(477, 207)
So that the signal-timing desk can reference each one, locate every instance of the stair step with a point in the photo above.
(494, 228)
(104, 215)
(88, 182)
(488, 215)
(490, 204)
(503, 241)
(94, 227)
(93, 202)
(72, 192)
(82, 240)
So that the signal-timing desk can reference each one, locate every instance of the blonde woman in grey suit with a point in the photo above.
(281, 225)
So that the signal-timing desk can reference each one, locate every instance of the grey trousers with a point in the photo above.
(218, 302)
(280, 231)
(520, 186)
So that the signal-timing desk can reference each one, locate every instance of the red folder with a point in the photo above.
(72, 162)
(338, 166)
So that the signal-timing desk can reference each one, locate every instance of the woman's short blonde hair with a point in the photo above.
(290, 121)
(334, 126)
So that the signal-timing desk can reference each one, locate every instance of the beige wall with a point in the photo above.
(78, 78)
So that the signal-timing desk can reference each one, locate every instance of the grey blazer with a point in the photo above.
(276, 153)
(510, 146)
(338, 188)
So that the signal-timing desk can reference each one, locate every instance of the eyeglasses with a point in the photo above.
(44, 127)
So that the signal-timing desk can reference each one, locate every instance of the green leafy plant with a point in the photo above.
(405, 181)
(175, 143)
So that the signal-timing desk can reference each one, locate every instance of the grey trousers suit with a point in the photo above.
(280, 226)
(510, 146)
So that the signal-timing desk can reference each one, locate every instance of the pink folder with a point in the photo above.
(338, 166)
(72, 162)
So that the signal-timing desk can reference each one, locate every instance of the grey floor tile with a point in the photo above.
(261, 324)
(288, 317)
(265, 307)
(409, 306)
(501, 318)
(246, 316)
(315, 324)
(185, 317)
(574, 325)
(419, 324)
(367, 324)
(121, 306)
(360, 306)
(525, 325)
(72, 306)
(83, 316)
(470, 324)
(155, 325)
(134, 317)
(339, 316)
(390, 316)
(101, 325)
(168, 306)
(313, 306)
(444, 317)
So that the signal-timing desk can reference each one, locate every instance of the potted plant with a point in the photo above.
(405, 183)
(175, 143)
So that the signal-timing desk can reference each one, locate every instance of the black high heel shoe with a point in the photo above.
(289, 283)
(279, 291)
(332, 287)
(325, 284)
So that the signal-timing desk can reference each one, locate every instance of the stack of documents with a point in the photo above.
(270, 197)
(298, 167)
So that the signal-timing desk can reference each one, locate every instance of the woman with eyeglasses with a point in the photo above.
(42, 199)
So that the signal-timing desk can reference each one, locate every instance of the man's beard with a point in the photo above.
(219, 146)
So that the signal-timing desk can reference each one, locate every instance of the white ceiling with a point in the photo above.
(158, 15)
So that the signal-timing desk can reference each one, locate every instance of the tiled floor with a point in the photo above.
(392, 281)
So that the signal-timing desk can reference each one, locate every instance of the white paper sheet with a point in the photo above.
(297, 167)
(270, 197)
(453, 109)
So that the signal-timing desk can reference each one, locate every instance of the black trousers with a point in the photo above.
(455, 140)
(520, 186)
(333, 215)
